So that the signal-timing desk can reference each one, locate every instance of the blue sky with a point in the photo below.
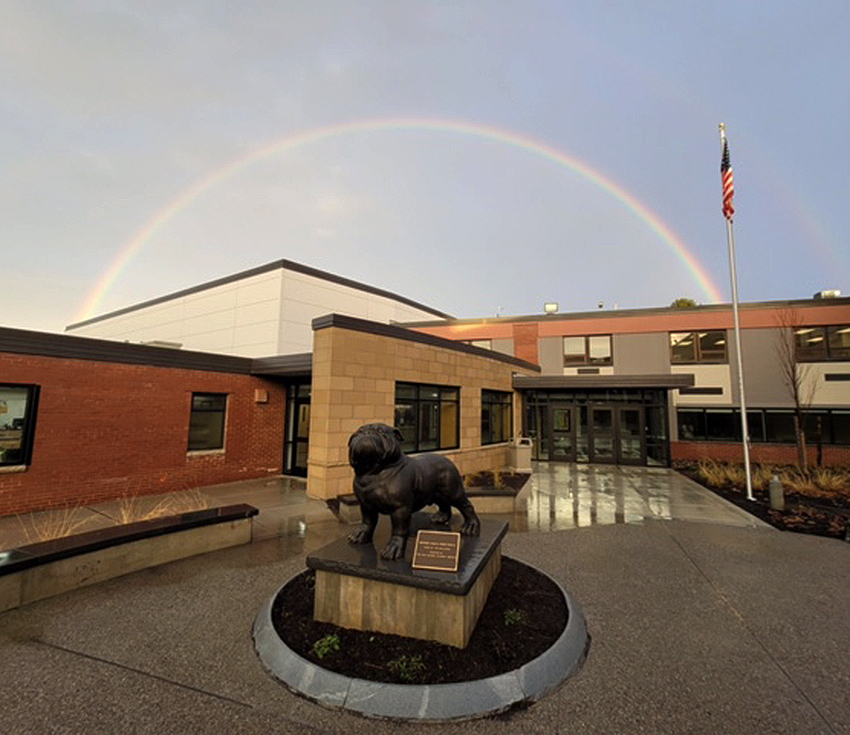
(110, 112)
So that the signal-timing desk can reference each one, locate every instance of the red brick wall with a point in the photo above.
(525, 342)
(759, 453)
(104, 430)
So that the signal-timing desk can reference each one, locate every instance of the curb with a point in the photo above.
(434, 702)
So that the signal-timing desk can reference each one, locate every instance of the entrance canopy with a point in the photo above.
(584, 382)
(617, 419)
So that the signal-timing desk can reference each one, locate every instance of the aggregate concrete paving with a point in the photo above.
(715, 624)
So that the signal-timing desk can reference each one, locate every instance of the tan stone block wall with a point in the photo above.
(354, 377)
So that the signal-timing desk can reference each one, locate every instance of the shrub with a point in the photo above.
(761, 476)
(710, 472)
(832, 481)
(799, 482)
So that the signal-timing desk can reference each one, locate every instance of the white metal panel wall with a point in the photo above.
(236, 318)
(305, 297)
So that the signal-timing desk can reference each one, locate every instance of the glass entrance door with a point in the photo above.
(617, 435)
(631, 444)
(601, 432)
(297, 436)
(562, 433)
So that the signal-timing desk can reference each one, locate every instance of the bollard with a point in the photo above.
(777, 493)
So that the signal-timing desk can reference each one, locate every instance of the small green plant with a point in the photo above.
(407, 668)
(327, 645)
(513, 616)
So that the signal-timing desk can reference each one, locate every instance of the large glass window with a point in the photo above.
(496, 416)
(722, 424)
(206, 422)
(779, 426)
(17, 423)
(840, 427)
(822, 343)
(698, 346)
(589, 350)
(691, 424)
(427, 416)
(773, 425)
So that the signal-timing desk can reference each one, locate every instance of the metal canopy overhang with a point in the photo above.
(283, 366)
(583, 382)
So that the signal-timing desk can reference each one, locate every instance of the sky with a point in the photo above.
(481, 158)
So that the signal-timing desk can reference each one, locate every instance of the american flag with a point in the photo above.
(726, 179)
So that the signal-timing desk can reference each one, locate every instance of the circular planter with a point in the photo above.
(428, 702)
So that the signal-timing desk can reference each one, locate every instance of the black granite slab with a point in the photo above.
(31, 555)
(364, 560)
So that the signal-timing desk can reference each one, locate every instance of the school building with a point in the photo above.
(270, 370)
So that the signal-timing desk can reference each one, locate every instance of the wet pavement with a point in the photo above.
(702, 620)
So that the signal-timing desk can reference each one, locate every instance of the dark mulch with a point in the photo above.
(523, 616)
(826, 517)
(489, 480)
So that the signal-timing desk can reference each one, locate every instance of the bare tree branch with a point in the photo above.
(795, 376)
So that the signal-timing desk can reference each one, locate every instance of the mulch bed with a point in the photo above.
(826, 517)
(523, 616)
(489, 480)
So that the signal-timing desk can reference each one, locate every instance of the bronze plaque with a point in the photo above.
(436, 550)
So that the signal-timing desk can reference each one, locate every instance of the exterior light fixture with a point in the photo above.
(550, 307)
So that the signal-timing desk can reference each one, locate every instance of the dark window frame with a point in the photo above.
(588, 359)
(490, 401)
(418, 401)
(21, 456)
(196, 440)
(698, 357)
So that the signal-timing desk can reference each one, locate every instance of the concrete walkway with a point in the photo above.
(703, 620)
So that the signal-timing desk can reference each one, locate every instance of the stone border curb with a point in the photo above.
(435, 702)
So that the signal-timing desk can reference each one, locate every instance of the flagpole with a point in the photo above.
(730, 239)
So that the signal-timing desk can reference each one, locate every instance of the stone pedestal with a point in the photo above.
(357, 589)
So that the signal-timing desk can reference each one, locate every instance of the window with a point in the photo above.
(496, 416)
(822, 343)
(206, 423)
(427, 416)
(698, 346)
(17, 423)
(771, 425)
(484, 344)
(590, 350)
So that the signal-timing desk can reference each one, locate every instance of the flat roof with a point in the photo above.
(388, 330)
(643, 311)
(276, 265)
(73, 347)
(69, 346)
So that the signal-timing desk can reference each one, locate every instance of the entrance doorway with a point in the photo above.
(297, 434)
(607, 434)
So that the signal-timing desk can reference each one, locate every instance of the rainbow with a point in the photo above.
(484, 132)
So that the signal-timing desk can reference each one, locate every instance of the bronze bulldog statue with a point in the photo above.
(387, 481)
